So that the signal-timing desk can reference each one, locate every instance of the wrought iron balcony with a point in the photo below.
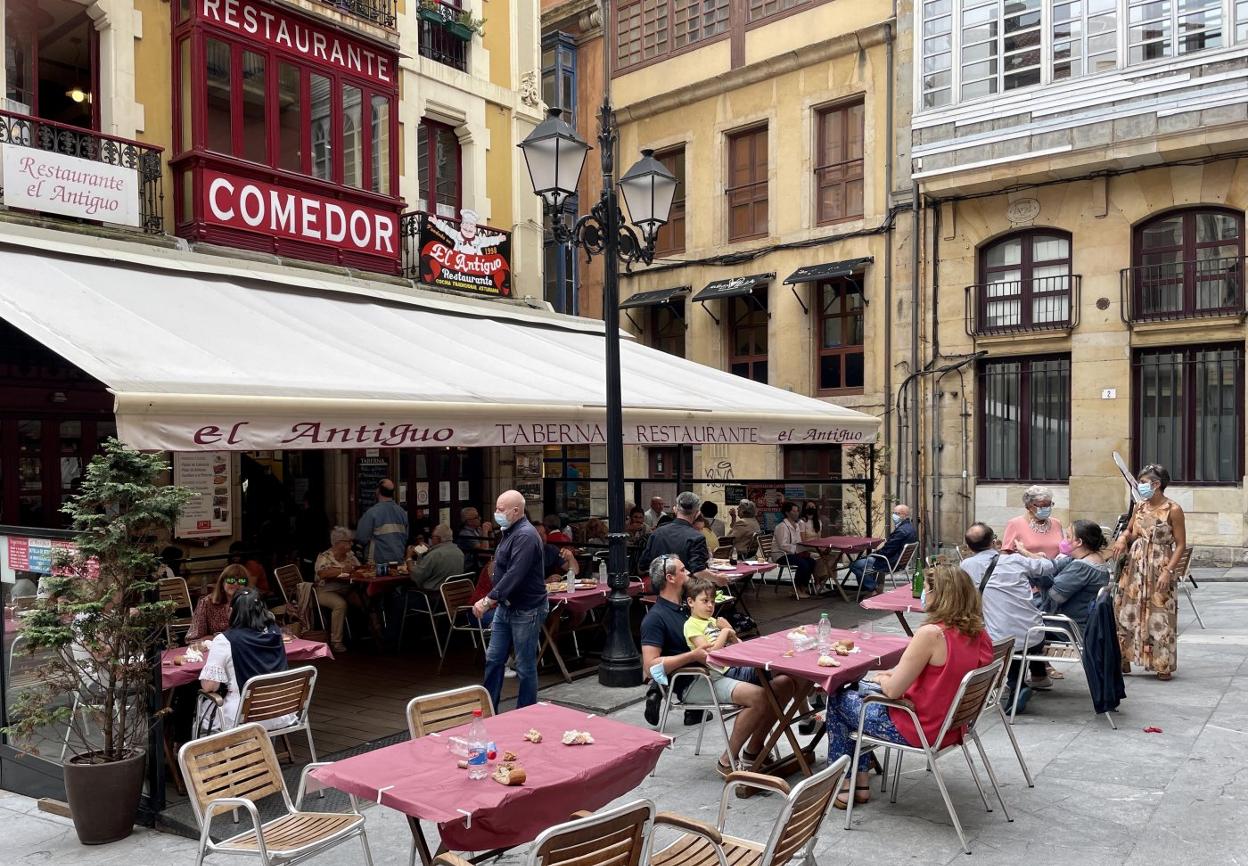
(20, 130)
(380, 12)
(1194, 289)
(436, 41)
(1021, 306)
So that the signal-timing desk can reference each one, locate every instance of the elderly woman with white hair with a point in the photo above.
(1036, 531)
(333, 590)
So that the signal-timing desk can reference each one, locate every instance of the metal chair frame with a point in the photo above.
(696, 673)
(1065, 628)
(766, 549)
(464, 587)
(175, 589)
(254, 708)
(428, 597)
(1003, 651)
(1187, 583)
(904, 557)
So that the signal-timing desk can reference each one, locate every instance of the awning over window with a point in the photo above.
(651, 299)
(208, 355)
(827, 271)
(732, 288)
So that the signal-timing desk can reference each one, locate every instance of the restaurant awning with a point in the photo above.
(827, 271)
(650, 299)
(202, 353)
(733, 287)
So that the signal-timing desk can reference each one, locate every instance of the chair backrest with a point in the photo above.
(271, 696)
(726, 540)
(1002, 651)
(799, 820)
(724, 551)
(765, 544)
(174, 589)
(456, 594)
(239, 762)
(1184, 565)
(430, 714)
(612, 837)
(288, 580)
(969, 701)
(906, 556)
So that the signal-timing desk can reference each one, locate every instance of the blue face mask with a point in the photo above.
(658, 674)
(897, 520)
(1146, 489)
(501, 520)
(1043, 513)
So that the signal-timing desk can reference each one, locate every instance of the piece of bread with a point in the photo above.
(509, 756)
(577, 738)
(509, 774)
(533, 735)
(828, 662)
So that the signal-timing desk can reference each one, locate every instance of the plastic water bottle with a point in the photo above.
(602, 572)
(478, 748)
(825, 634)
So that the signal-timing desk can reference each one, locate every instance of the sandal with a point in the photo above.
(862, 794)
(724, 769)
(1164, 677)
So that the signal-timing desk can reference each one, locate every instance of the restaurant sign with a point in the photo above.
(48, 182)
(462, 254)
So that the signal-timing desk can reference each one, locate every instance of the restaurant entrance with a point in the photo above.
(440, 482)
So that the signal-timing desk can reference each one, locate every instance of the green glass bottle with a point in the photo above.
(916, 582)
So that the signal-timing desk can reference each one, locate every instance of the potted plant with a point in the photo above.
(463, 25)
(97, 632)
(431, 11)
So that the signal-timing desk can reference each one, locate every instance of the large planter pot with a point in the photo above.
(459, 31)
(433, 16)
(104, 798)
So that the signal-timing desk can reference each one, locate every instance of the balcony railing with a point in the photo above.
(20, 130)
(381, 12)
(1195, 289)
(1020, 306)
(436, 40)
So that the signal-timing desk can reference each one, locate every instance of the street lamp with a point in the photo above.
(555, 155)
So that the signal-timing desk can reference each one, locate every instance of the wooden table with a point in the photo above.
(580, 601)
(841, 546)
(900, 601)
(772, 654)
(420, 778)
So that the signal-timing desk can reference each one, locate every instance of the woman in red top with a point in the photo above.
(948, 646)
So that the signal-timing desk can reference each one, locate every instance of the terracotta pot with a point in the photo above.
(104, 798)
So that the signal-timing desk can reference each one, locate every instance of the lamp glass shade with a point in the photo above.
(648, 189)
(555, 155)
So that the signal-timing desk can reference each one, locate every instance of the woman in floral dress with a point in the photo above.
(1146, 599)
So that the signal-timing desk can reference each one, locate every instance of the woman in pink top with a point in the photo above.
(1037, 530)
(948, 646)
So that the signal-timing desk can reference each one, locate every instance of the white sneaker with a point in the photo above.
(509, 674)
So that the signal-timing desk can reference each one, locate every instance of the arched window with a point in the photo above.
(1025, 283)
(1188, 263)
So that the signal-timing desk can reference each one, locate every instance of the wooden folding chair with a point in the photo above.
(434, 713)
(889, 570)
(1183, 568)
(456, 600)
(272, 696)
(793, 834)
(289, 581)
(235, 769)
(174, 589)
(766, 546)
(964, 711)
(428, 606)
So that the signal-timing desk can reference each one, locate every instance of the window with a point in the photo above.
(760, 9)
(840, 352)
(1085, 37)
(322, 132)
(559, 74)
(380, 137)
(747, 335)
(671, 462)
(747, 184)
(1188, 412)
(665, 329)
(290, 119)
(671, 237)
(1241, 21)
(255, 88)
(1188, 263)
(815, 462)
(646, 29)
(559, 273)
(1025, 282)
(437, 157)
(352, 138)
(838, 163)
(436, 42)
(219, 132)
(1024, 414)
(1164, 28)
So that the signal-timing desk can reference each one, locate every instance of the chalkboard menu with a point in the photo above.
(733, 494)
(369, 472)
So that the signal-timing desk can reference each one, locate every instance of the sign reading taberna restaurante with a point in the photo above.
(464, 255)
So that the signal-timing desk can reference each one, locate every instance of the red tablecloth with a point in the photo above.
(871, 652)
(172, 676)
(582, 601)
(420, 778)
(374, 585)
(843, 543)
(899, 600)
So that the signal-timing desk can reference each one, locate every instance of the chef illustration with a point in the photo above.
(469, 237)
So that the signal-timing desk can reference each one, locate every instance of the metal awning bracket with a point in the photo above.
(805, 309)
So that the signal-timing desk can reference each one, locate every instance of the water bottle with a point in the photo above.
(602, 572)
(478, 749)
(825, 634)
(916, 582)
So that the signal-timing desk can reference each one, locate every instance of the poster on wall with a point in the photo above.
(209, 476)
(465, 255)
(33, 555)
(370, 470)
(422, 493)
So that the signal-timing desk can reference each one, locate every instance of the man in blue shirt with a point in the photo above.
(518, 598)
(903, 533)
(383, 529)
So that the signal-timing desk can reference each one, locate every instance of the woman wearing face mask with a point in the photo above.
(1146, 604)
(1081, 572)
(1037, 530)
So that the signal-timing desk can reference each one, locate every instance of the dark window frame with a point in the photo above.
(824, 457)
(755, 191)
(671, 236)
(562, 67)
(843, 114)
(559, 284)
(1188, 364)
(431, 165)
(661, 318)
(670, 454)
(1026, 473)
(1189, 251)
(1026, 296)
(844, 313)
(755, 303)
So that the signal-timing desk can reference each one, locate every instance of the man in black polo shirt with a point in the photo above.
(678, 538)
(663, 642)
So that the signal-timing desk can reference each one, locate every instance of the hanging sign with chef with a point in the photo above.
(465, 255)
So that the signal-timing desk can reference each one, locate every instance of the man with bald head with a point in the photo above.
(518, 598)
(903, 533)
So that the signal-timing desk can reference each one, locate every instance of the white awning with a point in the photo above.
(217, 357)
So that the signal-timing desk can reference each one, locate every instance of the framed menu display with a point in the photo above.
(209, 475)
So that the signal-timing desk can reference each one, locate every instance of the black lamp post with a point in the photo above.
(555, 155)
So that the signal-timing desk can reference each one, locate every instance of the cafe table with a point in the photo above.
(578, 602)
(726, 576)
(774, 655)
(420, 778)
(174, 675)
(841, 546)
(900, 601)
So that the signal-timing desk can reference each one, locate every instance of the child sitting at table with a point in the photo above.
(703, 630)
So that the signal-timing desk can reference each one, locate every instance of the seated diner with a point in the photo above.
(252, 645)
(212, 613)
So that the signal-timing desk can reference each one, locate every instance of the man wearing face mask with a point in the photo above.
(518, 599)
(903, 533)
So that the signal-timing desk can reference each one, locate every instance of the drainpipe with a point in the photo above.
(916, 239)
(937, 443)
(888, 253)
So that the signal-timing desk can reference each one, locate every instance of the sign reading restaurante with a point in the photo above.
(48, 182)
(464, 255)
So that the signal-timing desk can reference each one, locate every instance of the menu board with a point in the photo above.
(369, 473)
(210, 477)
(35, 555)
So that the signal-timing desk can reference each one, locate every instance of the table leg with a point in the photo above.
(418, 839)
(905, 626)
(784, 724)
(549, 642)
(836, 580)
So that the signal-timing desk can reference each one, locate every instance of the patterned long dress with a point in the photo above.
(1148, 617)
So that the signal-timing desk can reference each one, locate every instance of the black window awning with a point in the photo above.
(827, 271)
(734, 287)
(652, 299)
